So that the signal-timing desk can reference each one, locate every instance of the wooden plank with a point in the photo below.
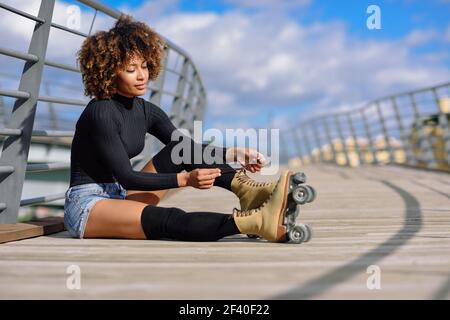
(30, 229)
(391, 217)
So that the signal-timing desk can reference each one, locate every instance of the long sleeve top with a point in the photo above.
(109, 133)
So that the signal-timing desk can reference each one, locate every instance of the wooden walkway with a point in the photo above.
(392, 219)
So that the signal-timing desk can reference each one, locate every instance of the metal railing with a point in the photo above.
(188, 104)
(410, 128)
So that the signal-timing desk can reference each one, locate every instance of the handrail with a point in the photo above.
(13, 160)
(61, 66)
(395, 133)
(15, 94)
(19, 55)
(373, 102)
(76, 32)
(42, 199)
(21, 13)
(10, 132)
(75, 102)
(47, 167)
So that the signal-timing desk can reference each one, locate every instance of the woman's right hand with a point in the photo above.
(198, 178)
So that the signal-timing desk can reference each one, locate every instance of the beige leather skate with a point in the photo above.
(251, 193)
(267, 220)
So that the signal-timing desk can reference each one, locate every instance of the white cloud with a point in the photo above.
(187, 23)
(232, 124)
(62, 46)
(252, 63)
(225, 104)
(420, 37)
(286, 63)
(447, 34)
(154, 9)
(285, 4)
(282, 121)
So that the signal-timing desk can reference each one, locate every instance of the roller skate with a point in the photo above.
(299, 193)
(275, 219)
(251, 193)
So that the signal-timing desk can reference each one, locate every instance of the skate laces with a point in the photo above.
(244, 178)
(245, 213)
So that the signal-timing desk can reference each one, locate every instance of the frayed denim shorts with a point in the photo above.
(81, 198)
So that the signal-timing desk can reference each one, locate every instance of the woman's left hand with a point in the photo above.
(250, 159)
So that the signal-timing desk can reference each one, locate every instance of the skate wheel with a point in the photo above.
(300, 194)
(314, 193)
(299, 178)
(253, 236)
(298, 234)
(309, 233)
(311, 193)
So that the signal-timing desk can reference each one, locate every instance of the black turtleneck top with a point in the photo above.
(111, 132)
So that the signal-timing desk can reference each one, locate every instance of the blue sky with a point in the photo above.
(411, 29)
(273, 62)
(398, 16)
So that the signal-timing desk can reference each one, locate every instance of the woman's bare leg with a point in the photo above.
(148, 197)
(115, 218)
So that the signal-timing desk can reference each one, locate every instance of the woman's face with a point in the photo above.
(132, 80)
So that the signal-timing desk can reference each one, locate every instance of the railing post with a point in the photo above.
(308, 145)
(341, 136)
(317, 140)
(155, 98)
(355, 139)
(297, 144)
(387, 142)
(178, 99)
(406, 143)
(3, 112)
(157, 92)
(92, 22)
(284, 151)
(53, 117)
(423, 139)
(327, 130)
(16, 148)
(443, 123)
(187, 109)
(201, 106)
(369, 137)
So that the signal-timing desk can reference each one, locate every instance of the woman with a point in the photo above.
(107, 198)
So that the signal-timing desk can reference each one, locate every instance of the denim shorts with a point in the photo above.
(81, 198)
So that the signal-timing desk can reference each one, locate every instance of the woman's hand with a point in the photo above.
(198, 178)
(250, 159)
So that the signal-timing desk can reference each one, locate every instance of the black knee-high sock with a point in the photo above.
(163, 163)
(176, 224)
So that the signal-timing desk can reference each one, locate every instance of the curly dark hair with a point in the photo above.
(106, 52)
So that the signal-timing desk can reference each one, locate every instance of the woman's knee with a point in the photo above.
(175, 223)
(156, 220)
(147, 197)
